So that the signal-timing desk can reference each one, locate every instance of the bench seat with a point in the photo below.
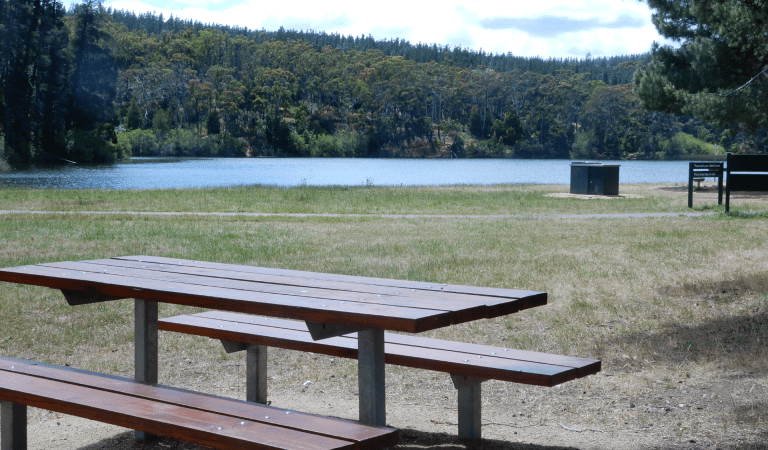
(468, 364)
(212, 421)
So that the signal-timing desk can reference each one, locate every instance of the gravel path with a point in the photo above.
(383, 216)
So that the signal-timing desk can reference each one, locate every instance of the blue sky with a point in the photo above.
(546, 28)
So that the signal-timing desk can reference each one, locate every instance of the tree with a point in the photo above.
(20, 29)
(509, 131)
(51, 78)
(94, 78)
(720, 71)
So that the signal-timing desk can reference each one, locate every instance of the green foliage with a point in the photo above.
(95, 72)
(186, 143)
(345, 144)
(179, 143)
(585, 146)
(509, 131)
(478, 125)
(489, 148)
(213, 124)
(56, 94)
(162, 120)
(719, 72)
(685, 144)
(140, 142)
(90, 147)
(134, 120)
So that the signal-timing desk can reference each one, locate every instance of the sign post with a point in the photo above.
(705, 170)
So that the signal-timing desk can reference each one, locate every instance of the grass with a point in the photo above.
(664, 302)
(452, 200)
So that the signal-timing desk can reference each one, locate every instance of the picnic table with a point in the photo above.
(331, 305)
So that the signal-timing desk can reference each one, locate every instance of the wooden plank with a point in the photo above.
(747, 163)
(409, 351)
(217, 319)
(747, 182)
(290, 281)
(403, 284)
(299, 340)
(466, 308)
(363, 315)
(461, 307)
(466, 303)
(157, 418)
(337, 429)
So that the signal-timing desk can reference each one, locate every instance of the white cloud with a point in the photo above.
(546, 28)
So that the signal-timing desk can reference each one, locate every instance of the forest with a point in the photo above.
(91, 84)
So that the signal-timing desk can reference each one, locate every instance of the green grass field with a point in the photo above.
(659, 300)
(462, 200)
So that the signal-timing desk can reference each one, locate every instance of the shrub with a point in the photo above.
(140, 142)
(229, 146)
(83, 146)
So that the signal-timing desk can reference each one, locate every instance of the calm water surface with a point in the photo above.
(155, 173)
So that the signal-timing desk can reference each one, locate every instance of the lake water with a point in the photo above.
(153, 173)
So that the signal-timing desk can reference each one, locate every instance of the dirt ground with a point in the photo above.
(591, 413)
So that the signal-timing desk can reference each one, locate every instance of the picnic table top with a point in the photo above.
(397, 305)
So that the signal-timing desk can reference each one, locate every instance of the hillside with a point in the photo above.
(181, 88)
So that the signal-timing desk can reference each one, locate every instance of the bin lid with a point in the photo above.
(584, 163)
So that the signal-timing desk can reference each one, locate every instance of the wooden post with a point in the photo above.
(727, 184)
(690, 185)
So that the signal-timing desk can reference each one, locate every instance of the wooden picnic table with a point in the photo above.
(331, 305)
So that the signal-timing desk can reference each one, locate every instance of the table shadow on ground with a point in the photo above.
(409, 440)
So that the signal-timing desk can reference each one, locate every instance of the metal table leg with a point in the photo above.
(370, 368)
(145, 340)
(13, 426)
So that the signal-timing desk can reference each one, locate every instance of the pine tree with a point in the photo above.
(94, 75)
(19, 49)
(52, 70)
(720, 72)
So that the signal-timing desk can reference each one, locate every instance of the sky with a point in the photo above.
(545, 28)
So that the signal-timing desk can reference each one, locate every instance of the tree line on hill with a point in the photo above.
(96, 85)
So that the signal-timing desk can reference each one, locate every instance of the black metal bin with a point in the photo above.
(594, 178)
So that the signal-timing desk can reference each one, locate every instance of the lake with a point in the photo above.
(158, 173)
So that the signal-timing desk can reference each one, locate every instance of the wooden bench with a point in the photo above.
(468, 364)
(745, 173)
(212, 421)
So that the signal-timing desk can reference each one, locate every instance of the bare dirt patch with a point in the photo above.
(591, 197)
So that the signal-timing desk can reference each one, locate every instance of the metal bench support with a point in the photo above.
(13, 426)
(256, 374)
(470, 405)
(255, 369)
(370, 369)
(145, 341)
